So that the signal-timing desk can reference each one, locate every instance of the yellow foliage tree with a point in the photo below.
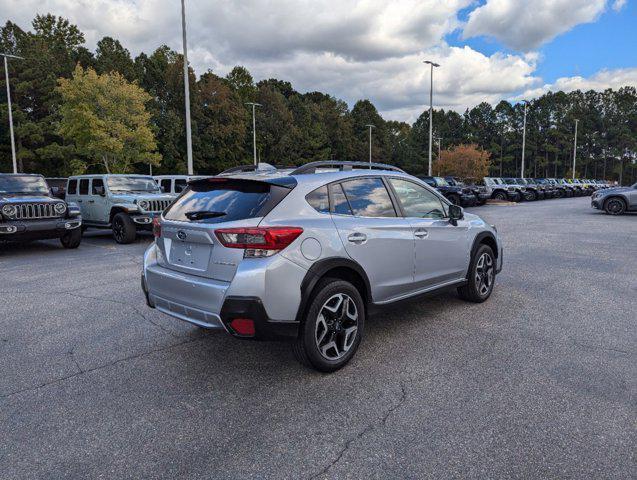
(105, 117)
(464, 161)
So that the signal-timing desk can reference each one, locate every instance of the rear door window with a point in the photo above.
(84, 186)
(368, 197)
(223, 200)
(340, 205)
(180, 185)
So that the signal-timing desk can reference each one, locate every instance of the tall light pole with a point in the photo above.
(575, 148)
(186, 90)
(370, 143)
(6, 78)
(254, 131)
(431, 108)
(439, 139)
(523, 139)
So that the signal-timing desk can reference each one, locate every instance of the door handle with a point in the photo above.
(357, 238)
(421, 233)
(91, 201)
(79, 201)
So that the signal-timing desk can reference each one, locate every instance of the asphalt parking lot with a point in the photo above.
(538, 382)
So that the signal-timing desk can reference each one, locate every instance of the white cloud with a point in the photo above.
(526, 24)
(350, 49)
(618, 5)
(600, 81)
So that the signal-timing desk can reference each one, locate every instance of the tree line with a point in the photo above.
(53, 127)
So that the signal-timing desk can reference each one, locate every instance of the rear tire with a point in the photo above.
(500, 196)
(614, 206)
(332, 327)
(481, 277)
(72, 239)
(124, 230)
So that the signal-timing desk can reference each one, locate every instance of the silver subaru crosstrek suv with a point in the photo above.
(304, 254)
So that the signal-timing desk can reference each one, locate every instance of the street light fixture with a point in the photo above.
(186, 89)
(431, 108)
(575, 148)
(6, 77)
(523, 138)
(254, 130)
(370, 143)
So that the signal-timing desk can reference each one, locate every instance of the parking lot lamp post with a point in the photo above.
(523, 138)
(431, 108)
(370, 142)
(575, 148)
(254, 131)
(186, 89)
(6, 78)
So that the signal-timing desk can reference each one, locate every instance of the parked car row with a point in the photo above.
(470, 193)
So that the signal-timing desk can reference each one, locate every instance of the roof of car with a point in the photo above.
(92, 175)
(21, 174)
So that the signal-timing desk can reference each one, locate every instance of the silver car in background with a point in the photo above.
(303, 254)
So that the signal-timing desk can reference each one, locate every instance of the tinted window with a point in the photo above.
(224, 200)
(23, 184)
(72, 187)
(84, 186)
(97, 182)
(368, 197)
(319, 200)
(180, 185)
(340, 205)
(165, 184)
(417, 201)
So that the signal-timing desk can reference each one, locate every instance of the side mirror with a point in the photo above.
(100, 191)
(455, 213)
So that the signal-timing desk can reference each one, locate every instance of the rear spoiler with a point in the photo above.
(283, 181)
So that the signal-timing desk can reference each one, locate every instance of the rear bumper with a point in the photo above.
(214, 304)
(38, 229)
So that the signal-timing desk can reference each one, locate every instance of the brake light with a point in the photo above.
(243, 326)
(156, 227)
(258, 242)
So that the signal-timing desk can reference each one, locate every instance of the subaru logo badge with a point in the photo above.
(181, 235)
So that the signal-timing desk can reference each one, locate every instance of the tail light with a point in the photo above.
(156, 227)
(258, 242)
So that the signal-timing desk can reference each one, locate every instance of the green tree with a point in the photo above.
(105, 118)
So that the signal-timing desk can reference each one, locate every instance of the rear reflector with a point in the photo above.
(243, 326)
(270, 239)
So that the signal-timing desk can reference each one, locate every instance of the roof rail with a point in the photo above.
(341, 165)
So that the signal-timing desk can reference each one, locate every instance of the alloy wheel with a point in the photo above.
(118, 229)
(336, 326)
(484, 274)
(614, 206)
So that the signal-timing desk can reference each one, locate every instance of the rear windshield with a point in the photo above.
(224, 200)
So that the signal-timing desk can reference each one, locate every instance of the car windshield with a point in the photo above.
(441, 181)
(132, 184)
(23, 184)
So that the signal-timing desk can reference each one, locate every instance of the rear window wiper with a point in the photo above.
(201, 214)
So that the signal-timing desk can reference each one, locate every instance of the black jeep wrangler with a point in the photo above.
(28, 211)
(479, 191)
(462, 196)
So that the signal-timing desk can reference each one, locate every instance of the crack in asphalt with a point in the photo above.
(99, 367)
(361, 434)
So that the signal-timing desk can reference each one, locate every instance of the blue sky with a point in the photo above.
(354, 49)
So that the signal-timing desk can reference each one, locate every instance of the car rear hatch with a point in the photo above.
(188, 243)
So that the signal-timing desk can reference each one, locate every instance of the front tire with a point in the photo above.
(332, 328)
(614, 206)
(481, 278)
(500, 196)
(124, 230)
(72, 239)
